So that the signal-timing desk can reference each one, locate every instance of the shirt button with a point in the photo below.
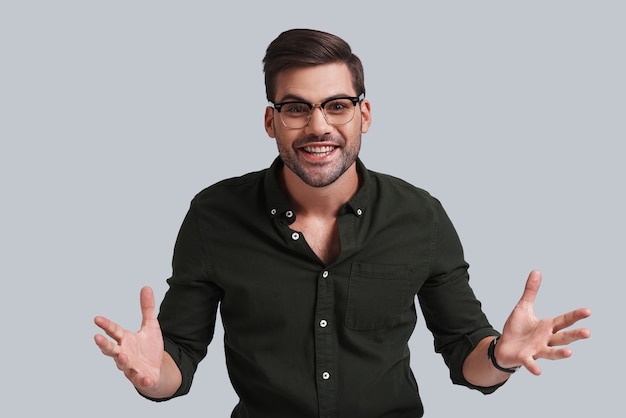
(325, 274)
(289, 214)
(325, 375)
(323, 323)
(359, 212)
(273, 211)
(295, 236)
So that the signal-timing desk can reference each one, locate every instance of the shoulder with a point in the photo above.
(386, 184)
(396, 197)
(232, 188)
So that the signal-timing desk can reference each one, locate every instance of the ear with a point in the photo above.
(269, 121)
(366, 115)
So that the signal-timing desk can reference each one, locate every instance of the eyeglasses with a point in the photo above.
(336, 111)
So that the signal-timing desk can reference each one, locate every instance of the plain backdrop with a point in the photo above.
(113, 114)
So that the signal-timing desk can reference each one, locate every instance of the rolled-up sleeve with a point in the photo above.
(451, 310)
(188, 312)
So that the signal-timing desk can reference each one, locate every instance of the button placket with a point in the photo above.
(325, 343)
(324, 323)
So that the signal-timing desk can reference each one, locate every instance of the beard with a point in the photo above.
(320, 174)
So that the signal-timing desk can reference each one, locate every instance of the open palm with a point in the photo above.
(138, 354)
(526, 338)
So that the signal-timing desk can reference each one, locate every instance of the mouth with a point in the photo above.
(319, 151)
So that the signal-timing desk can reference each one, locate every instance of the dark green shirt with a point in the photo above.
(305, 339)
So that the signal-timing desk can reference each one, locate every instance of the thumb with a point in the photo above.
(146, 300)
(532, 287)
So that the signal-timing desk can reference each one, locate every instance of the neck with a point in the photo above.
(320, 201)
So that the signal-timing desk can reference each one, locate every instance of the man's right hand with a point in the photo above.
(140, 356)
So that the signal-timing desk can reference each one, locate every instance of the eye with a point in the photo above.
(338, 106)
(295, 109)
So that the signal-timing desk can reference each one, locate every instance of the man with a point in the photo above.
(315, 264)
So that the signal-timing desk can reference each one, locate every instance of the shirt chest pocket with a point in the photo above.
(378, 295)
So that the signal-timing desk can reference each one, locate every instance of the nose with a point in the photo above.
(318, 125)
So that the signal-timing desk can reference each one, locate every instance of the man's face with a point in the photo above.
(318, 153)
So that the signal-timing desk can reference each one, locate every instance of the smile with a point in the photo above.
(319, 151)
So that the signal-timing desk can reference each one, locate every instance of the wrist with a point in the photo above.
(491, 354)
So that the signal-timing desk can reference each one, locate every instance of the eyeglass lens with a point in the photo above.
(336, 112)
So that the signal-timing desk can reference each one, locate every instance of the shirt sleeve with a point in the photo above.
(188, 311)
(451, 310)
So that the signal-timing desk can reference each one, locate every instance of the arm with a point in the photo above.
(140, 356)
(525, 338)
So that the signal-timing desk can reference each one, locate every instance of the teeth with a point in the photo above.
(319, 150)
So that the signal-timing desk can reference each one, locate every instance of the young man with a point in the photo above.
(315, 264)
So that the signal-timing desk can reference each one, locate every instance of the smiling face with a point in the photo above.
(319, 153)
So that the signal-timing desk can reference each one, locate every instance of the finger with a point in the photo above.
(123, 362)
(147, 305)
(532, 366)
(138, 380)
(570, 318)
(532, 287)
(112, 329)
(555, 354)
(107, 347)
(101, 322)
(549, 353)
(144, 382)
(568, 337)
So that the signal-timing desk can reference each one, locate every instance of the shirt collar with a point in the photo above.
(277, 204)
(359, 203)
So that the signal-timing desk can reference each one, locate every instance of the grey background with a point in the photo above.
(114, 114)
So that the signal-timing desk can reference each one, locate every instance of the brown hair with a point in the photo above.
(305, 48)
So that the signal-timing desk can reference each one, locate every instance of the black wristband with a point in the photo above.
(491, 353)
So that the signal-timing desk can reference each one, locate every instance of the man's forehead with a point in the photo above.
(315, 83)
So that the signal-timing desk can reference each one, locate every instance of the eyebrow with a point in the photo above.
(293, 97)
